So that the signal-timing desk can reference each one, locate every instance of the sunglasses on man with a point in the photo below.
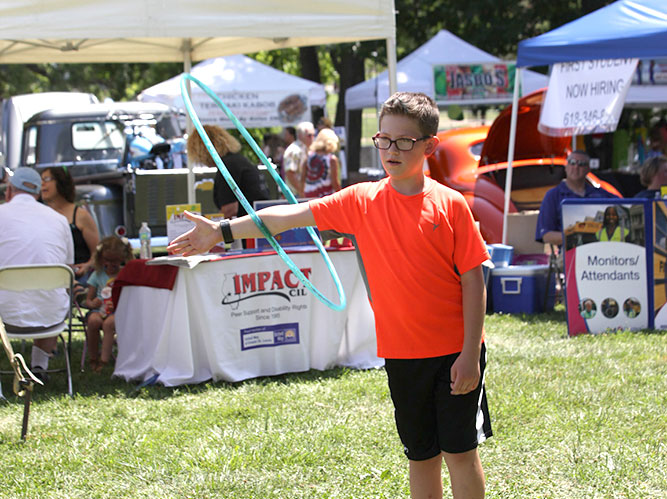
(578, 162)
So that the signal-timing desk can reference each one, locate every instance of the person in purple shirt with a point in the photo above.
(549, 222)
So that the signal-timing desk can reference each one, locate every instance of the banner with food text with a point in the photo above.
(253, 109)
(585, 97)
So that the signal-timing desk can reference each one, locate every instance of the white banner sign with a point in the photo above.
(253, 109)
(585, 97)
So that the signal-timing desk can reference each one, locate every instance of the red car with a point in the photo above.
(474, 162)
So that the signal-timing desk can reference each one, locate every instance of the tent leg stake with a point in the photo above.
(26, 412)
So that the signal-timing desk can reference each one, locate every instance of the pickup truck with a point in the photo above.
(127, 159)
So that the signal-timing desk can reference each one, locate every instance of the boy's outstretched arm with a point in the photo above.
(465, 370)
(206, 233)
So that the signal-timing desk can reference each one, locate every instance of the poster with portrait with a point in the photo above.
(606, 265)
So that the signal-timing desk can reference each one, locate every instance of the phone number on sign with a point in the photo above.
(586, 118)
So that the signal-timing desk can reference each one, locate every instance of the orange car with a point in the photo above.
(474, 162)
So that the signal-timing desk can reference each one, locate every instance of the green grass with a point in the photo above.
(584, 417)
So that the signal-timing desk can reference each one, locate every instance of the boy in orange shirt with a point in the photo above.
(421, 255)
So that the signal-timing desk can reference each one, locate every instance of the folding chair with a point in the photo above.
(79, 313)
(42, 277)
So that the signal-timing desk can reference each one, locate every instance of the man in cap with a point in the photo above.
(33, 233)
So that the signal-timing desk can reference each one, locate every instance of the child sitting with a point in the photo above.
(110, 255)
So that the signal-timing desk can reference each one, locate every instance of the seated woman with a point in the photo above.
(653, 175)
(58, 193)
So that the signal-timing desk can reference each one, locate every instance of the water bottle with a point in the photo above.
(145, 241)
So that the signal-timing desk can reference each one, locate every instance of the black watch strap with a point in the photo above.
(226, 231)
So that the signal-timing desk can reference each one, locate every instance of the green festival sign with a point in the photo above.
(473, 82)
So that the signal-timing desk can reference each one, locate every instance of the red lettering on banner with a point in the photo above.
(288, 280)
(249, 282)
(262, 278)
(277, 281)
(244, 283)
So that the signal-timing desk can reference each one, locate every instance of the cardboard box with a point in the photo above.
(521, 232)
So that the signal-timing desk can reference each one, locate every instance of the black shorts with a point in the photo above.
(429, 418)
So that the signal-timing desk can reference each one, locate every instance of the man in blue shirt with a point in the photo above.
(549, 222)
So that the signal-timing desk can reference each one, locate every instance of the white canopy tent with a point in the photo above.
(414, 73)
(76, 31)
(86, 31)
(252, 90)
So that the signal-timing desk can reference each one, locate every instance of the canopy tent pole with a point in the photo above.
(510, 151)
(391, 64)
(187, 66)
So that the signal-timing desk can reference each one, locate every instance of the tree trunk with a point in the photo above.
(310, 70)
(310, 64)
(350, 67)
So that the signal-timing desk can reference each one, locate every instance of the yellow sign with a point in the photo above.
(177, 224)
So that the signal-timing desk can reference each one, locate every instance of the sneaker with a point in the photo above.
(40, 373)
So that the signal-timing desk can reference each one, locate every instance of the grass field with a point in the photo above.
(584, 417)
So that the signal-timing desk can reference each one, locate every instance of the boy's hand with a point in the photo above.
(465, 374)
(201, 238)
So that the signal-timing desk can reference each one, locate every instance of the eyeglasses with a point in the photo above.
(402, 144)
(580, 162)
(47, 179)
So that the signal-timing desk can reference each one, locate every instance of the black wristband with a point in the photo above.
(226, 231)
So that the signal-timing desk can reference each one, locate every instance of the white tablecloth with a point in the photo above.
(240, 318)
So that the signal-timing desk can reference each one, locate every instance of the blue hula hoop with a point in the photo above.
(244, 202)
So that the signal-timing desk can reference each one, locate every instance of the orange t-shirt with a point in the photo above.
(411, 249)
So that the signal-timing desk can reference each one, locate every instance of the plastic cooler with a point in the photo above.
(521, 289)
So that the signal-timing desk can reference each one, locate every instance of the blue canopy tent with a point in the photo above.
(625, 28)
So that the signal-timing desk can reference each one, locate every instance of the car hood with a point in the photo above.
(530, 143)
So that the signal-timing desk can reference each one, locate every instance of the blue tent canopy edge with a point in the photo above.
(625, 28)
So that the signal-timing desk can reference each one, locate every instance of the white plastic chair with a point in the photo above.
(42, 277)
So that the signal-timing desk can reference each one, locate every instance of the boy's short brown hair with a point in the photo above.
(416, 105)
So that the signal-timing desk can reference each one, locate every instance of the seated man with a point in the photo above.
(33, 233)
(549, 222)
